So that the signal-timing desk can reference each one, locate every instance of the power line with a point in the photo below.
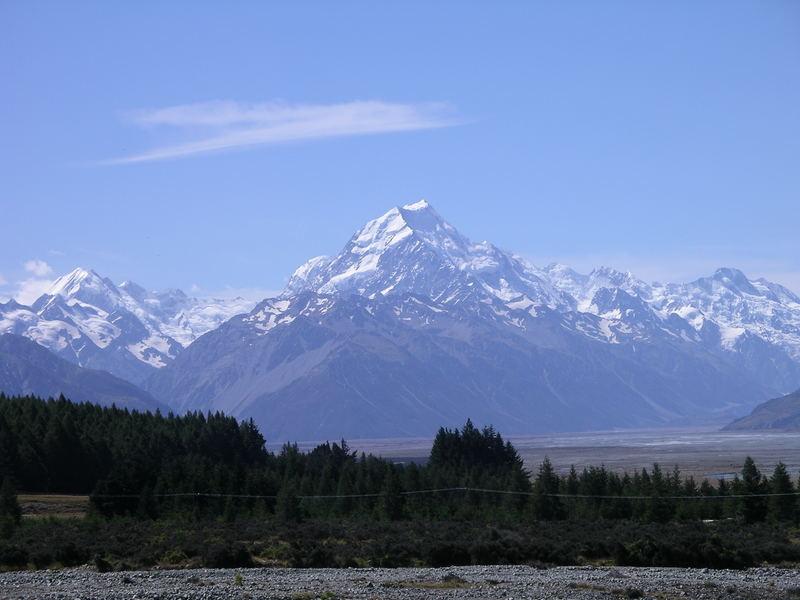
(697, 497)
(443, 490)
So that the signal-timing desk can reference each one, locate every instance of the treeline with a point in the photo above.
(657, 497)
(210, 466)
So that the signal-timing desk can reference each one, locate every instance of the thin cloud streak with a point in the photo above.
(226, 125)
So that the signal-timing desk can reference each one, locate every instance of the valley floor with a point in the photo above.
(405, 583)
(700, 452)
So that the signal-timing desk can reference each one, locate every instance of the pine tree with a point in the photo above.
(782, 508)
(344, 503)
(547, 506)
(752, 508)
(391, 502)
(287, 506)
(519, 482)
(659, 510)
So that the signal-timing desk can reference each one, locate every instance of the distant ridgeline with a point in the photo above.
(782, 414)
(206, 466)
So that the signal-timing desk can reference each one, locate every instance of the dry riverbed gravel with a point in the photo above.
(504, 582)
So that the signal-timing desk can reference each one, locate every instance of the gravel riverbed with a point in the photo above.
(499, 581)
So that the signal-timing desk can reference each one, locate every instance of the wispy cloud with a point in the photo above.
(224, 125)
(38, 267)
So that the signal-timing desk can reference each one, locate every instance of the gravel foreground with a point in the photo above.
(506, 582)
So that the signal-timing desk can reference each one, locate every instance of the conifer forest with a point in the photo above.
(175, 482)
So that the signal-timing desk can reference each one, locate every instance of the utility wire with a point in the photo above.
(440, 490)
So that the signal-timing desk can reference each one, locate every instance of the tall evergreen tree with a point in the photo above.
(287, 505)
(391, 500)
(752, 507)
(659, 509)
(547, 506)
(784, 506)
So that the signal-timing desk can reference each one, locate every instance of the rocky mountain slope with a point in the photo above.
(28, 368)
(779, 413)
(412, 326)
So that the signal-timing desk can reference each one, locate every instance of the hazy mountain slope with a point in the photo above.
(28, 368)
(778, 413)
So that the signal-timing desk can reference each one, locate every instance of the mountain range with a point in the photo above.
(412, 325)
(123, 329)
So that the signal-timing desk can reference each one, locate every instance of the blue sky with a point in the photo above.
(220, 145)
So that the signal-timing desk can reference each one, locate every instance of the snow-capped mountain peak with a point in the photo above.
(86, 286)
(418, 219)
(418, 205)
(71, 282)
(134, 290)
(412, 249)
(730, 279)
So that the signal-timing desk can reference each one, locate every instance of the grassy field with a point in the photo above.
(58, 506)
